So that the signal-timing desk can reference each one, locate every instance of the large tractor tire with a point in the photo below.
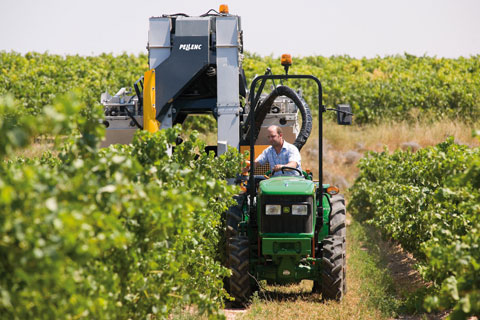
(338, 226)
(338, 231)
(333, 268)
(234, 217)
(239, 285)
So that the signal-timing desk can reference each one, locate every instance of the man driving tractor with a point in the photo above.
(280, 154)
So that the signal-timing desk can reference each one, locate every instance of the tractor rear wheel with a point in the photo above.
(333, 268)
(238, 261)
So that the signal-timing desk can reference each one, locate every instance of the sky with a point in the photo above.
(367, 28)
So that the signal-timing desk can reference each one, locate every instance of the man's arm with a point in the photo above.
(278, 167)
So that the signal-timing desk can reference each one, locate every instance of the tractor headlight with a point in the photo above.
(299, 209)
(273, 209)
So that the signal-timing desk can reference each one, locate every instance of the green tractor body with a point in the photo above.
(286, 236)
(285, 239)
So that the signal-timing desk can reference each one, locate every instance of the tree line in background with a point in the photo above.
(389, 88)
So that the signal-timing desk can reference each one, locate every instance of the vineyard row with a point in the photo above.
(428, 201)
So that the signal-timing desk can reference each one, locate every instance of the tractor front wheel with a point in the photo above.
(338, 226)
(333, 268)
(238, 261)
(234, 216)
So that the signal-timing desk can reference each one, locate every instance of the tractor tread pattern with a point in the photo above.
(338, 225)
(234, 217)
(240, 287)
(333, 268)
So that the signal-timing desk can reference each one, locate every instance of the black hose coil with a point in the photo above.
(262, 110)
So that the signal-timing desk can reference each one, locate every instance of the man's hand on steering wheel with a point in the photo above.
(281, 167)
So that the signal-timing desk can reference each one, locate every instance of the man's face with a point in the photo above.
(274, 138)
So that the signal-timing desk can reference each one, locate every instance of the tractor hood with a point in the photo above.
(287, 185)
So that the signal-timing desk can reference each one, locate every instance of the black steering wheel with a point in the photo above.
(291, 168)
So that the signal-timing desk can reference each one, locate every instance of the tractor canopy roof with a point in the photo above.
(287, 185)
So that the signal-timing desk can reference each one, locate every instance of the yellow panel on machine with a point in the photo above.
(260, 170)
(150, 122)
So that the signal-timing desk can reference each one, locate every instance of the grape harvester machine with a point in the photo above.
(283, 229)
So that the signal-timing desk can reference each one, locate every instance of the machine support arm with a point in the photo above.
(341, 111)
(252, 114)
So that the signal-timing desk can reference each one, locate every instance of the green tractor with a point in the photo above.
(285, 229)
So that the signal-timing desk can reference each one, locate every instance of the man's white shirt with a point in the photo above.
(288, 153)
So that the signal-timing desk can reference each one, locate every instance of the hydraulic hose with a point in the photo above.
(264, 108)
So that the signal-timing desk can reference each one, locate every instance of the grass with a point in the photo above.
(37, 148)
(394, 134)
